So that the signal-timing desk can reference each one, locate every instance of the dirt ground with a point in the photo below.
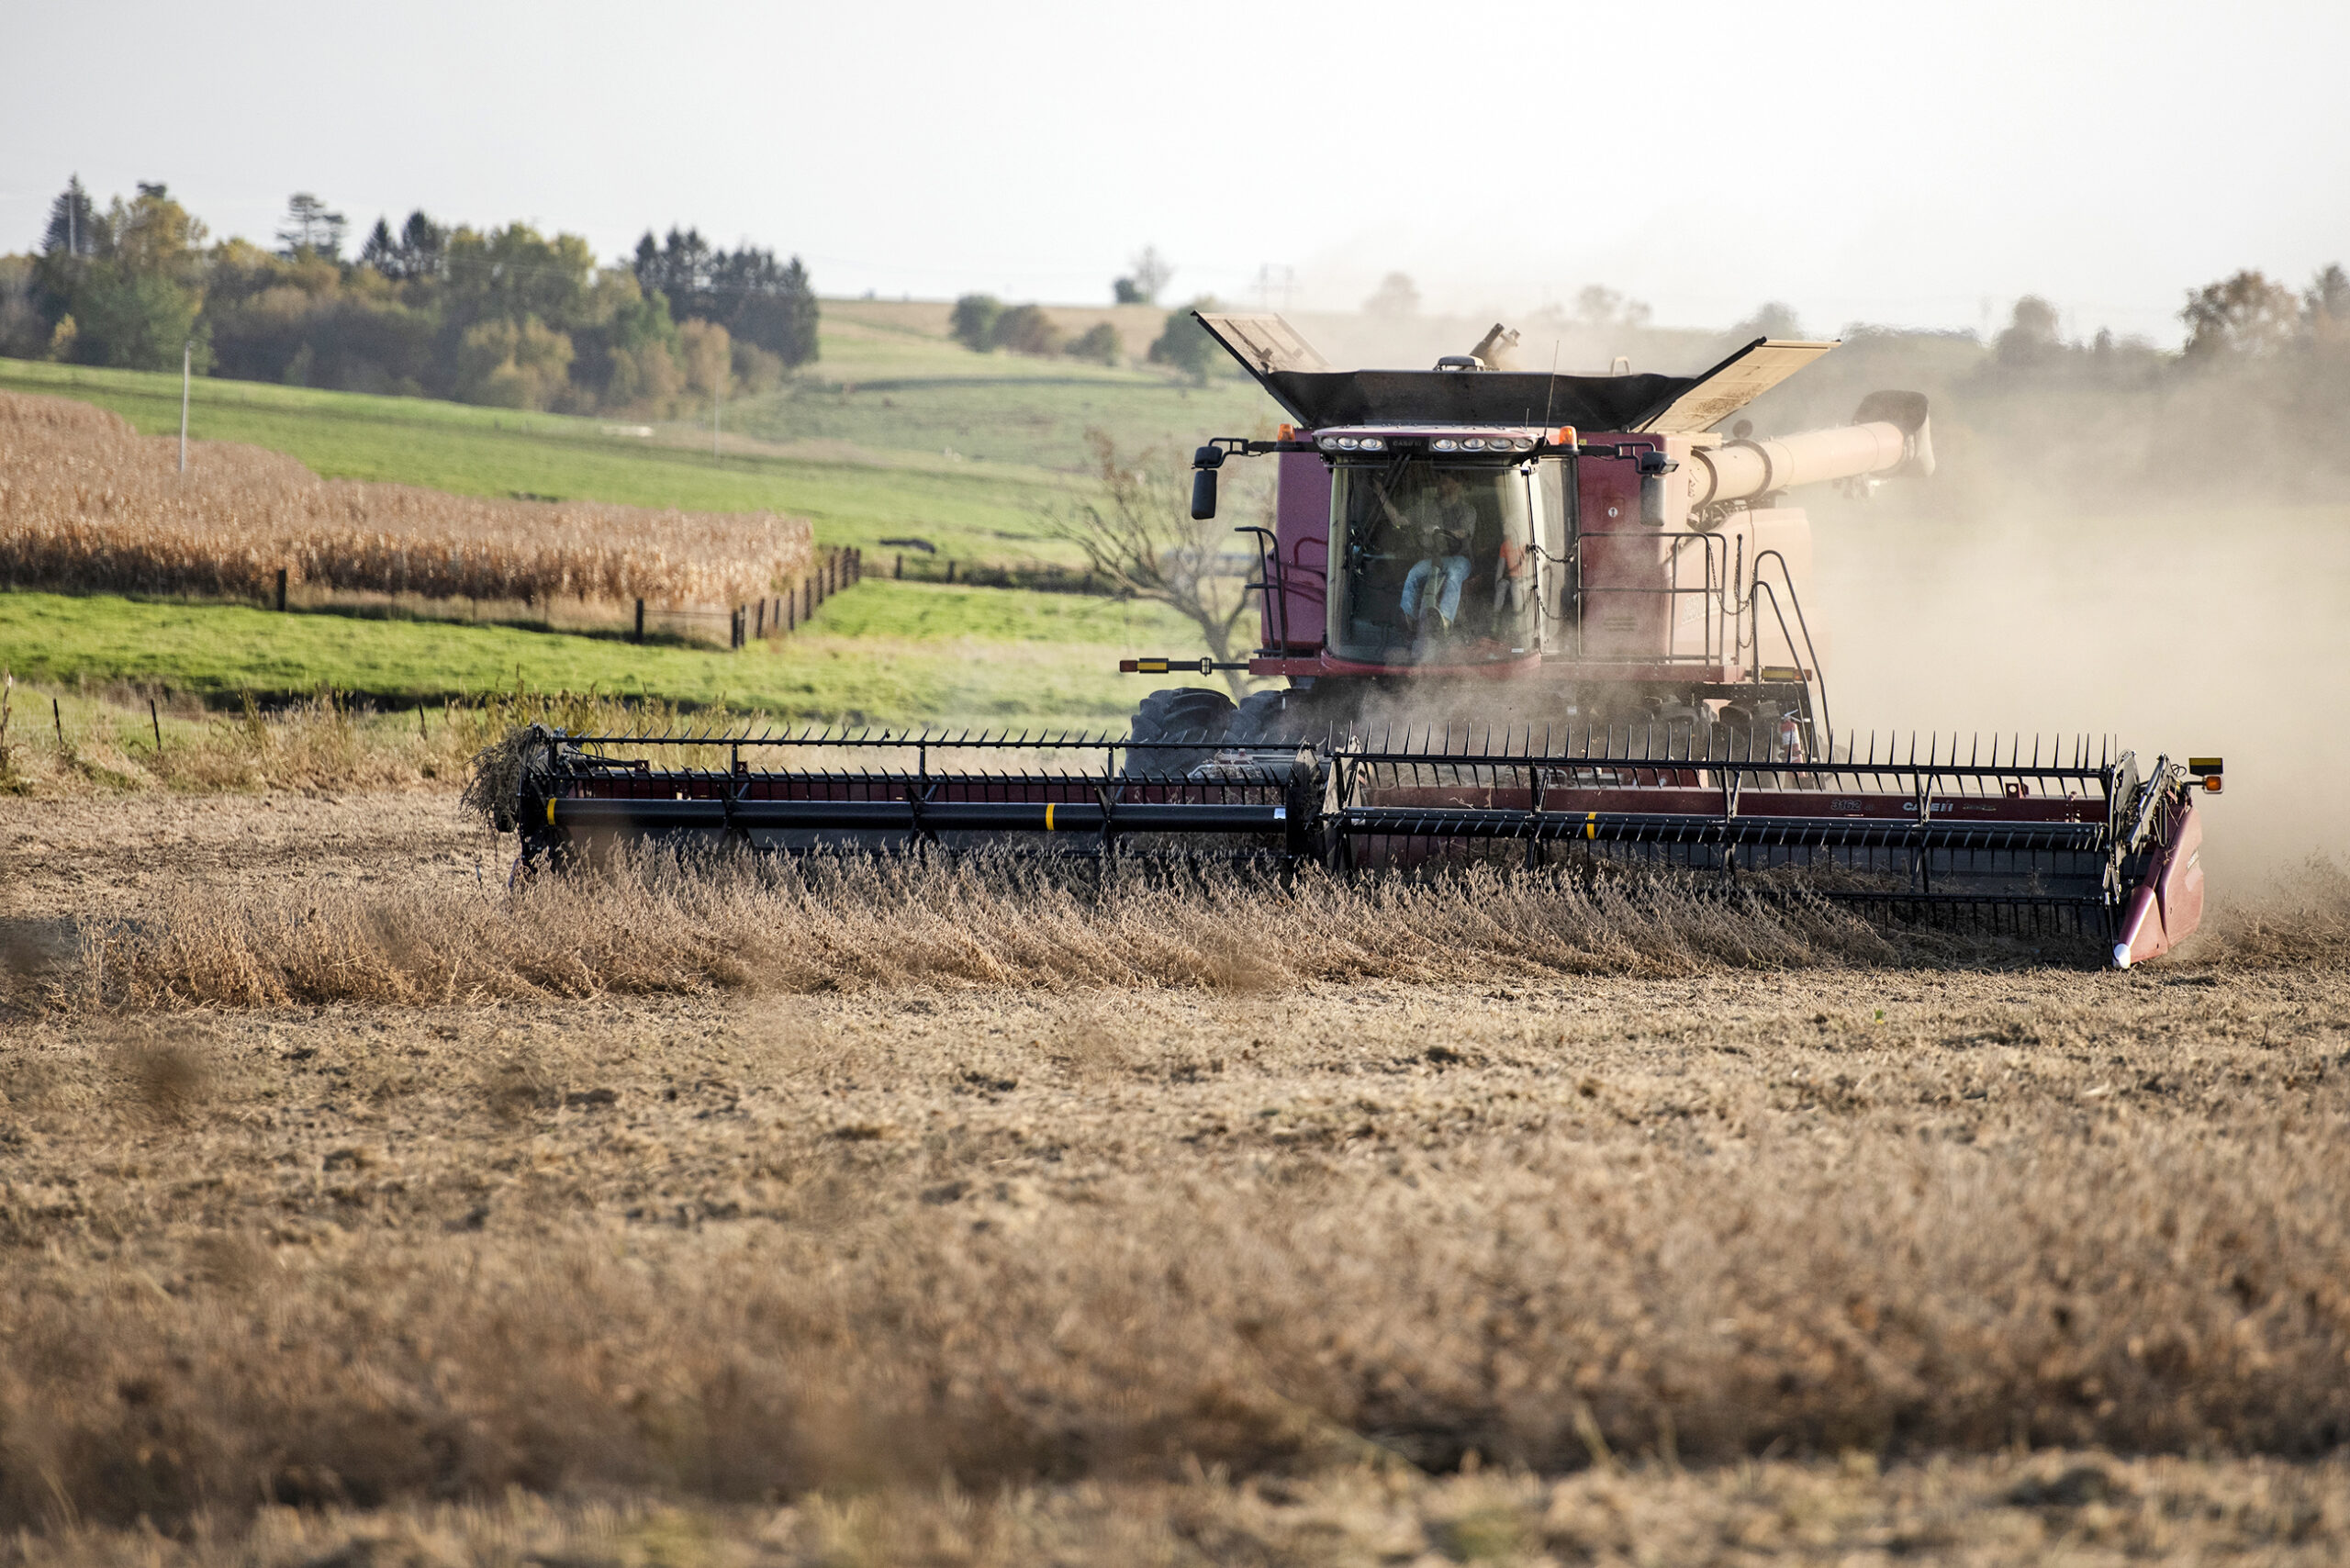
(1837, 1263)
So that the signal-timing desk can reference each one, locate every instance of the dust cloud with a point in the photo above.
(2203, 631)
(2119, 542)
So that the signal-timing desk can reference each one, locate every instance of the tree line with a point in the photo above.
(984, 324)
(503, 316)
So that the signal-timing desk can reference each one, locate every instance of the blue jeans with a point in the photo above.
(1448, 601)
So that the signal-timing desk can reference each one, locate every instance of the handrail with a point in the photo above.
(1714, 639)
(1810, 653)
(1270, 580)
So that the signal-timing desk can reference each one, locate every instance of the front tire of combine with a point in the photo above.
(1195, 713)
(1686, 729)
(1264, 718)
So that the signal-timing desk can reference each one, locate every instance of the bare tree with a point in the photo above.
(310, 226)
(1148, 273)
(2245, 314)
(1136, 531)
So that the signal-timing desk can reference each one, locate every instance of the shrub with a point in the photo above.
(1184, 345)
(1098, 342)
(1025, 329)
(973, 324)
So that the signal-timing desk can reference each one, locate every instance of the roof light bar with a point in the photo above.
(1440, 443)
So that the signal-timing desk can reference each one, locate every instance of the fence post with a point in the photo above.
(640, 621)
(762, 615)
(281, 590)
(899, 569)
(808, 591)
(734, 627)
(950, 569)
(791, 613)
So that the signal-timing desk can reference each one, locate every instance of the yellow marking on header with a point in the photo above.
(1591, 826)
(1048, 816)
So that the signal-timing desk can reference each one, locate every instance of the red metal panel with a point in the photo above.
(1625, 614)
(1294, 617)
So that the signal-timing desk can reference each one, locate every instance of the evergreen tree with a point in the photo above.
(757, 298)
(381, 252)
(73, 223)
(423, 245)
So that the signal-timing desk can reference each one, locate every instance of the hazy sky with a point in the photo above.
(1919, 165)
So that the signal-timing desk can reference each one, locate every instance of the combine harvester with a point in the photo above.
(1542, 619)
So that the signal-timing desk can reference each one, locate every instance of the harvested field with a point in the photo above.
(88, 505)
(1455, 1247)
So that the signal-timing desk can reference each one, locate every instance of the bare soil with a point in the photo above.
(1826, 1258)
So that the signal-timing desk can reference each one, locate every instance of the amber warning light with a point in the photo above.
(2209, 769)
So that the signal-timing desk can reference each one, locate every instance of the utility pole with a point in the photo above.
(188, 359)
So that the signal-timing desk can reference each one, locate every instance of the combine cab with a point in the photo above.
(1548, 620)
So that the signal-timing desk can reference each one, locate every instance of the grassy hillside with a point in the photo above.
(891, 379)
(885, 653)
(896, 431)
(976, 511)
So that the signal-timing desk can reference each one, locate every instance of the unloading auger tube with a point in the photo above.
(2076, 839)
(1740, 469)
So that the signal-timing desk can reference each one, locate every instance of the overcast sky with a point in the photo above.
(1918, 164)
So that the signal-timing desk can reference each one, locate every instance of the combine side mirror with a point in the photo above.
(1204, 462)
(1654, 465)
(1202, 494)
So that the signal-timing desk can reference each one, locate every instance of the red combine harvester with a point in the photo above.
(1546, 619)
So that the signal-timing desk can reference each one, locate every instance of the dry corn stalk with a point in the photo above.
(89, 505)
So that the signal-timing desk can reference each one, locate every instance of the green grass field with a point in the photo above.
(896, 430)
(890, 379)
(982, 511)
(882, 652)
(860, 446)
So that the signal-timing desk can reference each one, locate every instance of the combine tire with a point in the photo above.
(1183, 713)
(1263, 718)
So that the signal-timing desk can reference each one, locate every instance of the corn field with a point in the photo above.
(89, 505)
